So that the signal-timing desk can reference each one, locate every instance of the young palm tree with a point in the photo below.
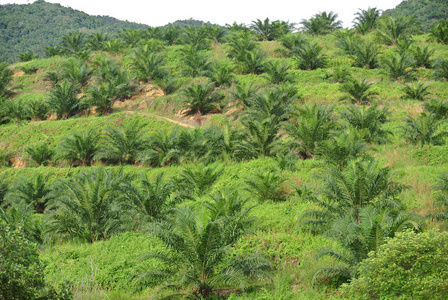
(216, 33)
(221, 74)
(5, 80)
(243, 92)
(13, 110)
(422, 56)
(262, 138)
(290, 42)
(168, 84)
(366, 20)
(366, 55)
(95, 41)
(322, 23)
(417, 91)
(148, 65)
(370, 119)
(399, 66)
(309, 57)
(253, 61)
(32, 190)
(346, 192)
(313, 126)
(438, 107)
(131, 36)
(221, 142)
(63, 99)
(239, 42)
(276, 72)
(147, 198)
(358, 237)
(73, 42)
(122, 144)
(40, 153)
(163, 149)
(424, 130)
(80, 147)
(439, 31)
(102, 96)
(198, 179)
(266, 185)
(200, 98)
(83, 207)
(195, 262)
(358, 92)
(76, 72)
(196, 62)
(343, 147)
(390, 30)
(36, 108)
(441, 69)
(195, 36)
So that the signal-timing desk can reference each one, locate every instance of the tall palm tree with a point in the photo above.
(195, 261)
(84, 207)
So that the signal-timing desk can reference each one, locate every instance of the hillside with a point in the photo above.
(426, 11)
(32, 27)
(229, 163)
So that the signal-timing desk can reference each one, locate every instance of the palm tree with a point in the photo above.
(243, 92)
(36, 108)
(40, 153)
(195, 61)
(168, 84)
(195, 262)
(63, 99)
(441, 69)
(239, 42)
(399, 66)
(266, 185)
(290, 42)
(366, 20)
(83, 207)
(102, 96)
(417, 91)
(216, 33)
(148, 64)
(95, 41)
(195, 36)
(343, 147)
(366, 55)
(163, 149)
(370, 119)
(5, 79)
(438, 107)
(276, 72)
(346, 192)
(122, 144)
(148, 198)
(422, 56)
(197, 179)
(391, 30)
(312, 126)
(358, 92)
(322, 23)
(358, 237)
(200, 98)
(73, 42)
(32, 190)
(221, 74)
(80, 147)
(309, 57)
(253, 61)
(439, 31)
(424, 130)
(131, 36)
(221, 142)
(268, 30)
(262, 138)
(13, 110)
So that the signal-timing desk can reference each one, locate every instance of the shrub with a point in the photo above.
(417, 91)
(410, 266)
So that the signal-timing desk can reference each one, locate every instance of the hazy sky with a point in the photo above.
(161, 12)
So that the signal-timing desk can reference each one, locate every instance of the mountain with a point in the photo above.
(189, 22)
(426, 11)
(32, 27)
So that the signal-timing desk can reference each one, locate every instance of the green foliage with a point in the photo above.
(198, 246)
(424, 130)
(370, 119)
(27, 56)
(80, 148)
(148, 64)
(268, 31)
(366, 55)
(439, 31)
(63, 99)
(312, 126)
(21, 272)
(83, 207)
(358, 92)
(40, 153)
(196, 62)
(415, 262)
(266, 185)
(197, 179)
(168, 84)
(33, 190)
(123, 143)
(422, 56)
(322, 23)
(276, 72)
(290, 42)
(309, 57)
(200, 98)
(390, 30)
(417, 91)
(441, 69)
(366, 20)
(102, 97)
(5, 80)
(438, 107)
(399, 66)
(221, 74)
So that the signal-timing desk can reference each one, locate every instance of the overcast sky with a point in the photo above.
(161, 12)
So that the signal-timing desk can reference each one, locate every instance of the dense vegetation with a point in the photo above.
(239, 162)
(427, 12)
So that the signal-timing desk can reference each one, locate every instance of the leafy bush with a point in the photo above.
(417, 91)
(40, 153)
(409, 266)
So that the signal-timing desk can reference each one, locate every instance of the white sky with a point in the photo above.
(161, 12)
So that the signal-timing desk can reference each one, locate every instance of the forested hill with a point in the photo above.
(426, 11)
(32, 27)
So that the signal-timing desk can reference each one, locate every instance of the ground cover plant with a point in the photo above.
(239, 162)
